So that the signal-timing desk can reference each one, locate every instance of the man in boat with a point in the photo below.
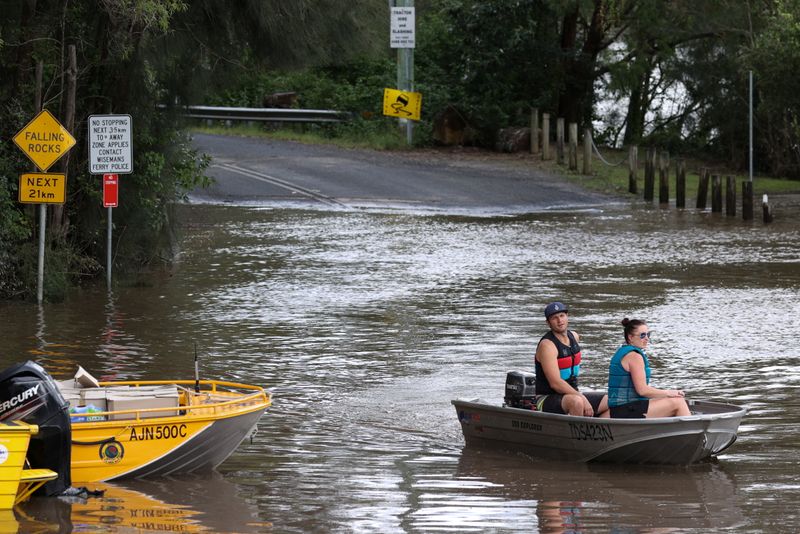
(558, 364)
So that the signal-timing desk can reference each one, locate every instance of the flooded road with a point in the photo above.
(365, 324)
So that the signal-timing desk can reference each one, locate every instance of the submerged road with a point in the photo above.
(261, 171)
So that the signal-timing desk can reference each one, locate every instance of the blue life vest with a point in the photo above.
(620, 386)
(569, 363)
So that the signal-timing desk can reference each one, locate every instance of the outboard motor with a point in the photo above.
(29, 394)
(520, 390)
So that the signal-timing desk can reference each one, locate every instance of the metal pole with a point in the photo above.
(108, 249)
(751, 125)
(40, 274)
(410, 81)
(405, 73)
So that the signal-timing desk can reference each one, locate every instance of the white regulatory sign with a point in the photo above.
(402, 28)
(110, 144)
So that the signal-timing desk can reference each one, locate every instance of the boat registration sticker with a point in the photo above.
(3, 454)
(112, 452)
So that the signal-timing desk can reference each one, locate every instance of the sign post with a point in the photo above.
(44, 140)
(403, 32)
(110, 154)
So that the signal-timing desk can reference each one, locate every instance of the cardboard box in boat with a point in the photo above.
(143, 398)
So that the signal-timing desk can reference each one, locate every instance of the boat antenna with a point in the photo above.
(196, 371)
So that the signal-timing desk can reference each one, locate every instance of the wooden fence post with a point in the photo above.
(702, 189)
(633, 168)
(663, 177)
(730, 196)
(560, 140)
(716, 194)
(587, 151)
(649, 174)
(545, 136)
(680, 183)
(534, 130)
(747, 200)
(573, 146)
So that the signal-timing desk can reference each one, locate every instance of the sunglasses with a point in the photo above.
(644, 335)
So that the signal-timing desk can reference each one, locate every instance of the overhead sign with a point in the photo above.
(402, 104)
(110, 190)
(110, 144)
(402, 28)
(44, 140)
(42, 188)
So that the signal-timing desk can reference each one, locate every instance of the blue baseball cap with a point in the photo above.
(554, 308)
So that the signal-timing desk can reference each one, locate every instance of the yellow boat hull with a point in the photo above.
(200, 436)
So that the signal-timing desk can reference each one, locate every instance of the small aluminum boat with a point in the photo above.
(707, 432)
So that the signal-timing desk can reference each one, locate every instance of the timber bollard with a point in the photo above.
(730, 196)
(649, 174)
(663, 177)
(680, 183)
(633, 168)
(573, 146)
(765, 208)
(747, 200)
(560, 140)
(587, 151)
(716, 194)
(702, 189)
(545, 136)
(534, 130)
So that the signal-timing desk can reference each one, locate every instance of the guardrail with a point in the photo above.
(266, 114)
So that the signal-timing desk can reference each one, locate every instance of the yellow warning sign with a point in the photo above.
(44, 140)
(402, 104)
(42, 188)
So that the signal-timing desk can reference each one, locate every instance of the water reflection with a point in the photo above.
(186, 504)
(601, 497)
(365, 325)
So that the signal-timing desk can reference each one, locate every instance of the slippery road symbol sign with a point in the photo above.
(402, 104)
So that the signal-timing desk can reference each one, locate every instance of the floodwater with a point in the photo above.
(365, 324)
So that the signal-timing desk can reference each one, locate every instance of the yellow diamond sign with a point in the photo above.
(44, 140)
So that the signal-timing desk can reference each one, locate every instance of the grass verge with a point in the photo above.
(614, 179)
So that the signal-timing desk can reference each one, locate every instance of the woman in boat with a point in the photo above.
(630, 394)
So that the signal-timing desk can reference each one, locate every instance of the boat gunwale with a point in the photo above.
(259, 393)
(735, 412)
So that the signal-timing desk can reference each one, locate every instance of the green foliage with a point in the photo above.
(775, 58)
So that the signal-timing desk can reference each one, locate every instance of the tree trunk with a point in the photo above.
(637, 109)
(58, 224)
(575, 102)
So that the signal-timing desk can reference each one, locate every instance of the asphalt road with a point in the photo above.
(262, 171)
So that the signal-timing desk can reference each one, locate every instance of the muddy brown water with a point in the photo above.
(365, 324)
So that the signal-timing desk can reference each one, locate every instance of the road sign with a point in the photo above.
(42, 188)
(402, 28)
(402, 104)
(110, 144)
(44, 140)
(110, 190)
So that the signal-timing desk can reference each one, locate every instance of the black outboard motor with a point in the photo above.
(520, 390)
(29, 394)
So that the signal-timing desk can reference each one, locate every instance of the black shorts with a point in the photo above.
(631, 410)
(551, 403)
